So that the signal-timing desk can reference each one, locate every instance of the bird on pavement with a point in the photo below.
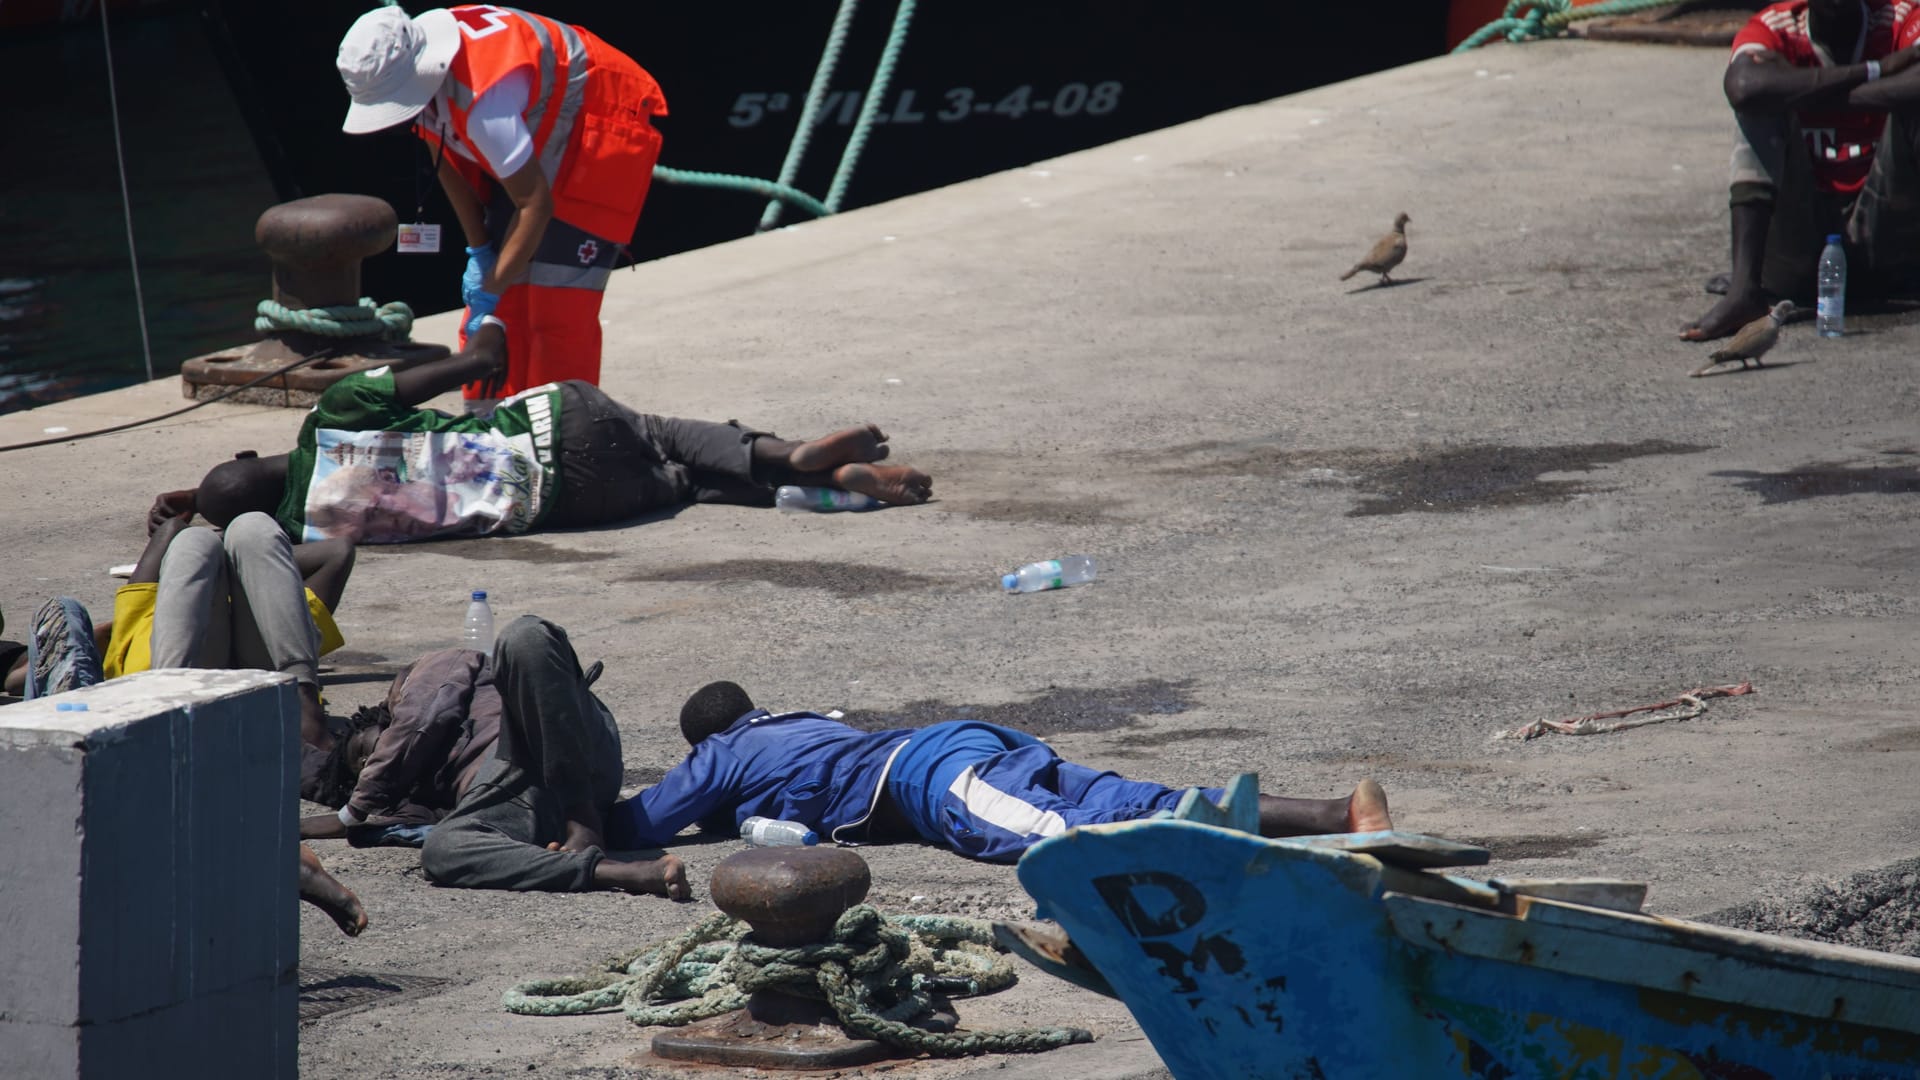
(1386, 254)
(1751, 341)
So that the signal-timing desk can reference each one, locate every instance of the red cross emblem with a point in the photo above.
(587, 252)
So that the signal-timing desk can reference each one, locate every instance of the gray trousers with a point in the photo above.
(1881, 222)
(558, 749)
(234, 599)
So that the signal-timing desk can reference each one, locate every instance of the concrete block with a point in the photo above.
(149, 908)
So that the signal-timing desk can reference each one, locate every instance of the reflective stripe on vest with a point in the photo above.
(550, 144)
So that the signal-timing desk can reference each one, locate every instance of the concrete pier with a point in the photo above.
(1343, 531)
(148, 898)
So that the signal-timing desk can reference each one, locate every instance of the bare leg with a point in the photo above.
(319, 888)
(1745, 300)
(665, 876)
(1363, 811)
(863, 443)
(313, 719)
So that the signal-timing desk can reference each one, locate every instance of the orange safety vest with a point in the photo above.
(589, 111)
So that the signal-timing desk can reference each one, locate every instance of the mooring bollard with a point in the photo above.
(791, 897)
(316, 246)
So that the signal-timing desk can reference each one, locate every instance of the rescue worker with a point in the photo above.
(542, 138)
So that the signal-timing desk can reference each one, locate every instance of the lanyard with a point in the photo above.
(421, 183)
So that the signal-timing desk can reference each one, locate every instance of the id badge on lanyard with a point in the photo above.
(421, 238)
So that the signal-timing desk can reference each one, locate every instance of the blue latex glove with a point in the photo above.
(479, 305)
(480, 262)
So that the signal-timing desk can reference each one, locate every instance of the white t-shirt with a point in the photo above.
(495, 124)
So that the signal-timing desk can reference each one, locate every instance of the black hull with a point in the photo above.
(981, 87)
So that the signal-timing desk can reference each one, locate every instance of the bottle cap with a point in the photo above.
(479, 594)
(810, 839)
(1010, 582)
(1833, 238)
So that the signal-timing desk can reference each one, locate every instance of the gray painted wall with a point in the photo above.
(149, 921)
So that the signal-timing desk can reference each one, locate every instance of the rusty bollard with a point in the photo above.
(316, 246)
(791, 897)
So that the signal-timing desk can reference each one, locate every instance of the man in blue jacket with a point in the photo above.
(982, 790)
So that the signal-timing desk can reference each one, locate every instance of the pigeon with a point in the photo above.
(1386, 254)
(1752, 341)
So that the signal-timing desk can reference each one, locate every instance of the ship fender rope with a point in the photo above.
(1537, 20)
(876, 972)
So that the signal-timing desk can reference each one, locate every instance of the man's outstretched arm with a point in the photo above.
(485, 354)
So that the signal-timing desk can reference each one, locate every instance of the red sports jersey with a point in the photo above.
(1841, 142)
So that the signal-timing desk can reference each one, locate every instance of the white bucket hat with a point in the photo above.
(393, 65)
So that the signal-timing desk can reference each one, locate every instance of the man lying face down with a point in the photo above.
(371, 466)
(982, 790)
(515, 759)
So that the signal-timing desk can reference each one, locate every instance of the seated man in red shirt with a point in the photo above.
(1826, 95)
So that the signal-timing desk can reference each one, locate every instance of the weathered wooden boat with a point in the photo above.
(1355, 956)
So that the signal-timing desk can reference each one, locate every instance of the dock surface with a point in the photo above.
(1342, 530)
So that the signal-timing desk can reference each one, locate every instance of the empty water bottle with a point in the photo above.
(766, 832)
(821, 500)
(479, 631)
(1051, 574)
(1833, 289)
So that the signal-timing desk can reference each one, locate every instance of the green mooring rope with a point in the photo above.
(870, 108)
(877, 973)
(1532, 20)
(766, 189)
(392, 321)
(782, 189)
(810, 112)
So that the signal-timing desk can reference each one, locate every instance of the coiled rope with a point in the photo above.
(876, 972)
(392, 321)
(810, 112)
(1533, 20)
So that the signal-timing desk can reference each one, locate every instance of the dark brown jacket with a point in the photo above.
(446, 724)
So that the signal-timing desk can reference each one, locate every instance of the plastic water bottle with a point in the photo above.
(479, 631)
(1833, 289)
(821, 500)
(1051, 574)
(766, 832)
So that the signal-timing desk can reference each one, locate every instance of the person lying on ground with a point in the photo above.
(409, 758)
(1826, 102)
(982, 790)
(529, 816)
(373, 467)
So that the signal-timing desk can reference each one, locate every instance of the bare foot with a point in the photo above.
(1367, 809)
(855, 444)
(665, 876)
(317, 887)
(896, 484)
(1734, 311)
